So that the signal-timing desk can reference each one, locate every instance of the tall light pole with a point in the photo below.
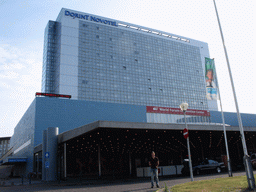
(224, 128)
(184, 107)
(247, 163)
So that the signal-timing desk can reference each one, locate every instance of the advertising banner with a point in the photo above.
(177, 111)
(210, 79)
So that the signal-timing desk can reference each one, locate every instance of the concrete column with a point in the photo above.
(130, 163)
(52, 148)
(65, 160)
(99, 160)
(37, 165)
(44, 148)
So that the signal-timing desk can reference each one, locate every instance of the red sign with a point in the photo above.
(177, 111)
(185, 133)
(52, 95)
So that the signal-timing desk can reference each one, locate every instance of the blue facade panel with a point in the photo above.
(22, 140)
(69, 114)
(248, 120)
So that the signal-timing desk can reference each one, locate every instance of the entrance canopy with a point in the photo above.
(146, 126)
(119, 148)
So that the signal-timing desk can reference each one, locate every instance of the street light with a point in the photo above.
(184, 107)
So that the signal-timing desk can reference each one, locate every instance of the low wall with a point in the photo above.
(162, 170)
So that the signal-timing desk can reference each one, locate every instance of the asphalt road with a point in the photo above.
(131, 186)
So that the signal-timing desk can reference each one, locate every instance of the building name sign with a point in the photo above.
(177, 111)
(18, 160)
(90, 18)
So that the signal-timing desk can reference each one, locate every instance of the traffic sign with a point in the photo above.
(185, 133)
(47, 164)
(47, 155)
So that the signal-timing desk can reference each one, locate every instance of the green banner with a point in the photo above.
(210, 79)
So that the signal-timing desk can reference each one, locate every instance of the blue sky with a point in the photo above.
(22, 34)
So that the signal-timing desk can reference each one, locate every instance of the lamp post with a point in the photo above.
(184, 107)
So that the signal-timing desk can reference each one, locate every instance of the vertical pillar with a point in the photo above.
(52, 148)
(99, 160)
(37, 165)
(44, 146)
(238, 149)
(65, 160)
(130, 163)
(202, 151)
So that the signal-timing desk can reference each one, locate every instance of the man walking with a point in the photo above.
(154, 163)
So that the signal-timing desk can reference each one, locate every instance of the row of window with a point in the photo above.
(85, 42)
(141, 91)
(96, 28)
(166, 102)
(140, 84)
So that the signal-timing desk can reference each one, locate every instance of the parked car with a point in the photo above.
(205, 166)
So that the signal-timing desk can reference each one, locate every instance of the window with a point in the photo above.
(97, 36)
(212, 162)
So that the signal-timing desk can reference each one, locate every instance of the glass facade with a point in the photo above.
(121, 66)
(50, 58)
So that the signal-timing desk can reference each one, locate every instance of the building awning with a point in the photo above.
(14, 160)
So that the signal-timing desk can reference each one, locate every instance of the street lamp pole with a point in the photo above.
(224, 129)
(184, 107)
(247, 162)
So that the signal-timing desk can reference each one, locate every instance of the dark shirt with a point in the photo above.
(153, 162)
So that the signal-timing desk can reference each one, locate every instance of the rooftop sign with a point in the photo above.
(90, 18)
(52, 95)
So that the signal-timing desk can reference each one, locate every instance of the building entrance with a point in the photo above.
(118, 153)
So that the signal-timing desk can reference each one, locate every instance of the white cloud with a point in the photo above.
(20, 78)
(4, 85)
(9, 75)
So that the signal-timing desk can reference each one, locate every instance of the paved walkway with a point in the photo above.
(128, 185)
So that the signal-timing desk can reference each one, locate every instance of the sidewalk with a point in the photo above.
(18, 181)
(69, 182)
